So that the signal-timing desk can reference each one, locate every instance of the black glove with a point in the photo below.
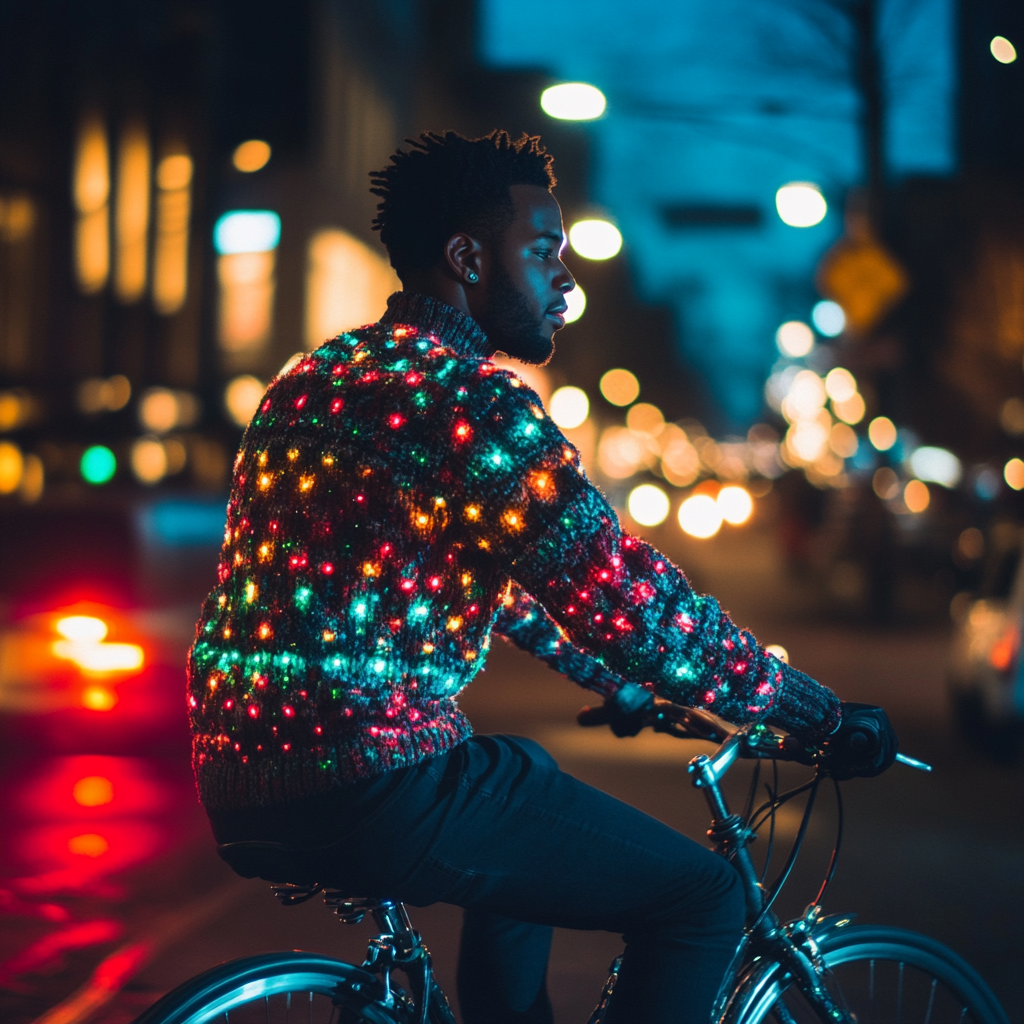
(626, 713)
(865, 743)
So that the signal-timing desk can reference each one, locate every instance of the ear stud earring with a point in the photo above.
(472, 277)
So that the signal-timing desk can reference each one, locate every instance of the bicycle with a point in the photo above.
(815, 969)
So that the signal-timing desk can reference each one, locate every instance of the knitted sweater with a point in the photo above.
(396, 498)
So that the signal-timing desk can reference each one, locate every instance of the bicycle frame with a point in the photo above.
(770, 947)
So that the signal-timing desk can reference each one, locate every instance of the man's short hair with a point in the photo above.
(448, 183)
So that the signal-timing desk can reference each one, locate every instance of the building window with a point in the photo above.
(347, 285)
(91, 193)
(170, 249)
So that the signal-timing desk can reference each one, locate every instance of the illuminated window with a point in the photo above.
(170, 250)
(131, 214)
(17, 224)
(347, 285)
(91, 190)
(246, 240)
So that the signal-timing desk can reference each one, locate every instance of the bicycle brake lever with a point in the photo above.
(912, 762)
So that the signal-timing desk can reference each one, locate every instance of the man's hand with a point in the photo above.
(864, 744)
(626, 713)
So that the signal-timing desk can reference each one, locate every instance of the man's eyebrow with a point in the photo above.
(554, 236)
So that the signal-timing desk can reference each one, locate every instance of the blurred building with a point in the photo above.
(183, 206)
(712, 107)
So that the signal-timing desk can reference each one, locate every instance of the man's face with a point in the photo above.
(522, 304)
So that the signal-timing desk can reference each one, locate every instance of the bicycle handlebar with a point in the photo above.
(748, 741)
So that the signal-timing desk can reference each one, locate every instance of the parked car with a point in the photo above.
(986, 670)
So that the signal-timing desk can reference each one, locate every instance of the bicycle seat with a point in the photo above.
(274, 862)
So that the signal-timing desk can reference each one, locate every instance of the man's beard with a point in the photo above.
(510, 326)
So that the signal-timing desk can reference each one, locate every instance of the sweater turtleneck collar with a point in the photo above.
(456, 329)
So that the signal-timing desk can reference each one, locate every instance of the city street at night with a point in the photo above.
(374, 373)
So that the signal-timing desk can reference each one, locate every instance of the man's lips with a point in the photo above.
(558, 313)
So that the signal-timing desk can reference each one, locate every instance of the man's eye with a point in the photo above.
(544, 254)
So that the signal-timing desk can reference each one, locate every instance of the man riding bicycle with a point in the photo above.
(397, 498)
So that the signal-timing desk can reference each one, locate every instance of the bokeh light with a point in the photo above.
(620, 387)
(12, 465)
(805, 398)
(93, 791)
(735, 504)
(242, 398)
(645, 418)
(852, 409)
(161, 409)
(840, 384)
(83, 629)
(680, 462)
(99, 394)
(828, 318)
(595, 239)
(648, 504)
(1003, 50)
(882, 433)
(573, 101)
(99, 698)
(936, 465)
(243, 231)
(576, 301)
(149, 460)
(252, 155)
(800, 204)
(700, 516)
(842, 439)
(621, 452)
(1013, 474)
(98, 464)
(916, 496)
(1011, 416)
(794, 339)
(90, 844)
(569, 407)
(777, 651)
(885, 483)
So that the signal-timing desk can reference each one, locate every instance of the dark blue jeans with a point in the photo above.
(495, 827)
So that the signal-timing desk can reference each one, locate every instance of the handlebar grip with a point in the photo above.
(588, 716)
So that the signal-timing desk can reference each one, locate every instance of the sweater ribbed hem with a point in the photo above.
(805, 708)
(224, 781)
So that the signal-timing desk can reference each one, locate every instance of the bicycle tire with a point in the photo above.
(882, 975)
(279, 988)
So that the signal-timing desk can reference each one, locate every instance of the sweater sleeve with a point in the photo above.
(523, 620)
(614, 595)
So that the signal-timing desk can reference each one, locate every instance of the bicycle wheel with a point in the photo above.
(889, 976)
(279, 988)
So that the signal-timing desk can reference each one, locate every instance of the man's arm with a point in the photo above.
(523, 620)
(615, 596)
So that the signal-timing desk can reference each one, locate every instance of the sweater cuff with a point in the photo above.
(805, 708)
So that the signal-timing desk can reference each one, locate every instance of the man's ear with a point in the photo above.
(464, 256)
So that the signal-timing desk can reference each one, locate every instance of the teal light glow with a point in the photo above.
(247, 231)
(98, 464)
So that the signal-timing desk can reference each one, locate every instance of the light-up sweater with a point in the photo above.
(396, 498)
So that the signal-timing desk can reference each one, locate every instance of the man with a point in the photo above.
(396, 497)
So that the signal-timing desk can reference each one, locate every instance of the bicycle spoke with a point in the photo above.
(871, 989)
(931, 1001)
(899, 997)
